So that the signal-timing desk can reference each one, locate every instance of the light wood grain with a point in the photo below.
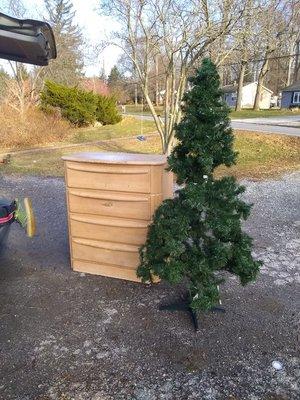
(114, 204)
(105, 270)
(101, 228)
(117, 158)
(111, 201)
(108, 253)
(137, 181)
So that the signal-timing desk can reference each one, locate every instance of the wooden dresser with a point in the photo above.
(111, 199)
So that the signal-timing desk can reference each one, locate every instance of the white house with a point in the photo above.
(248, 95)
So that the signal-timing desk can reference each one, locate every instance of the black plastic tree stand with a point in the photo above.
(183, 305)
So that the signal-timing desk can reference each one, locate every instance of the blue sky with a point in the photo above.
(96, 28)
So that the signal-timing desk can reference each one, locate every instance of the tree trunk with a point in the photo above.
(156, 82)
(297, 65)
(290, 64)
(135, 95)
(263, 72)
(238, 105)
(289, 75)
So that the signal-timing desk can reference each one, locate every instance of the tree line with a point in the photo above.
(164, 41)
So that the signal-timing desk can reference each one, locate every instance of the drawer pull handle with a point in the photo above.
(108, 196)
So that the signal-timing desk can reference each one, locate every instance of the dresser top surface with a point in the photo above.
(117, 158)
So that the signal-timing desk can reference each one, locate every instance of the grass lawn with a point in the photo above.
(129, 126)
(260, 155)
(139, 109)
(247, 113)
(262, 113)
(264, 155)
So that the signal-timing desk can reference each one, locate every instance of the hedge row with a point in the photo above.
(79, 106)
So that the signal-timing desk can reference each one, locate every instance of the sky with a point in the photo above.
(95, 28)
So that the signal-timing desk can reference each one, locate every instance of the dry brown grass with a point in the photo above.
(31, 129)
(261, 156)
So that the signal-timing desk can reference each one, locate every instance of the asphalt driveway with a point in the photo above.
(65, 335)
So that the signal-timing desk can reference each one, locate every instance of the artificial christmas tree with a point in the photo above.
(198, 233)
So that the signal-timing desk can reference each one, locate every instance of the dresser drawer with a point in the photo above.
(89, 267)
(123, 178)
(108, 229)
(114, 204)
(115, 254)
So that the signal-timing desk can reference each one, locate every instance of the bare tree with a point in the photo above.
(67, 68)
(297, 60)
(273, 26)
(295, 36)
(244, 44)
(293, 40)
(178, 34)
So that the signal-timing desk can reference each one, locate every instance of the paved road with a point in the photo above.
(284, 120)
(284, 126)
(65, 335)
(289, 125)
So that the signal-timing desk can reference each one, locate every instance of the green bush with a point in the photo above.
(79, 106)
(76, 105)
(106, 110)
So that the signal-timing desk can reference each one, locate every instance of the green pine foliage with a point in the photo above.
(106, 110)
(78, 106)
(198, 233)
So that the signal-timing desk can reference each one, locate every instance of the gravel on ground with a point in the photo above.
(65, 335)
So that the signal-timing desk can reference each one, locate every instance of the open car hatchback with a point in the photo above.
(27, 41)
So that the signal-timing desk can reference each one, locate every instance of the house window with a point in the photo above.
(296, 98)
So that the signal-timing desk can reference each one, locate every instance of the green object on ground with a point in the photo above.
(198, 234)
(24, 215)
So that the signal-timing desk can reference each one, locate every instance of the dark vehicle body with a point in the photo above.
(27, 41)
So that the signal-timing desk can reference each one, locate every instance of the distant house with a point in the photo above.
(291, 96)
(95, 85)
(248, 95)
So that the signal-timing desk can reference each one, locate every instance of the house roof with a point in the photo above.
(291, 88)
(229, 88)
(233, 88)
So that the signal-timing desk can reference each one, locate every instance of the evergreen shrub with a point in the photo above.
(78, 106)
(106, 110)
